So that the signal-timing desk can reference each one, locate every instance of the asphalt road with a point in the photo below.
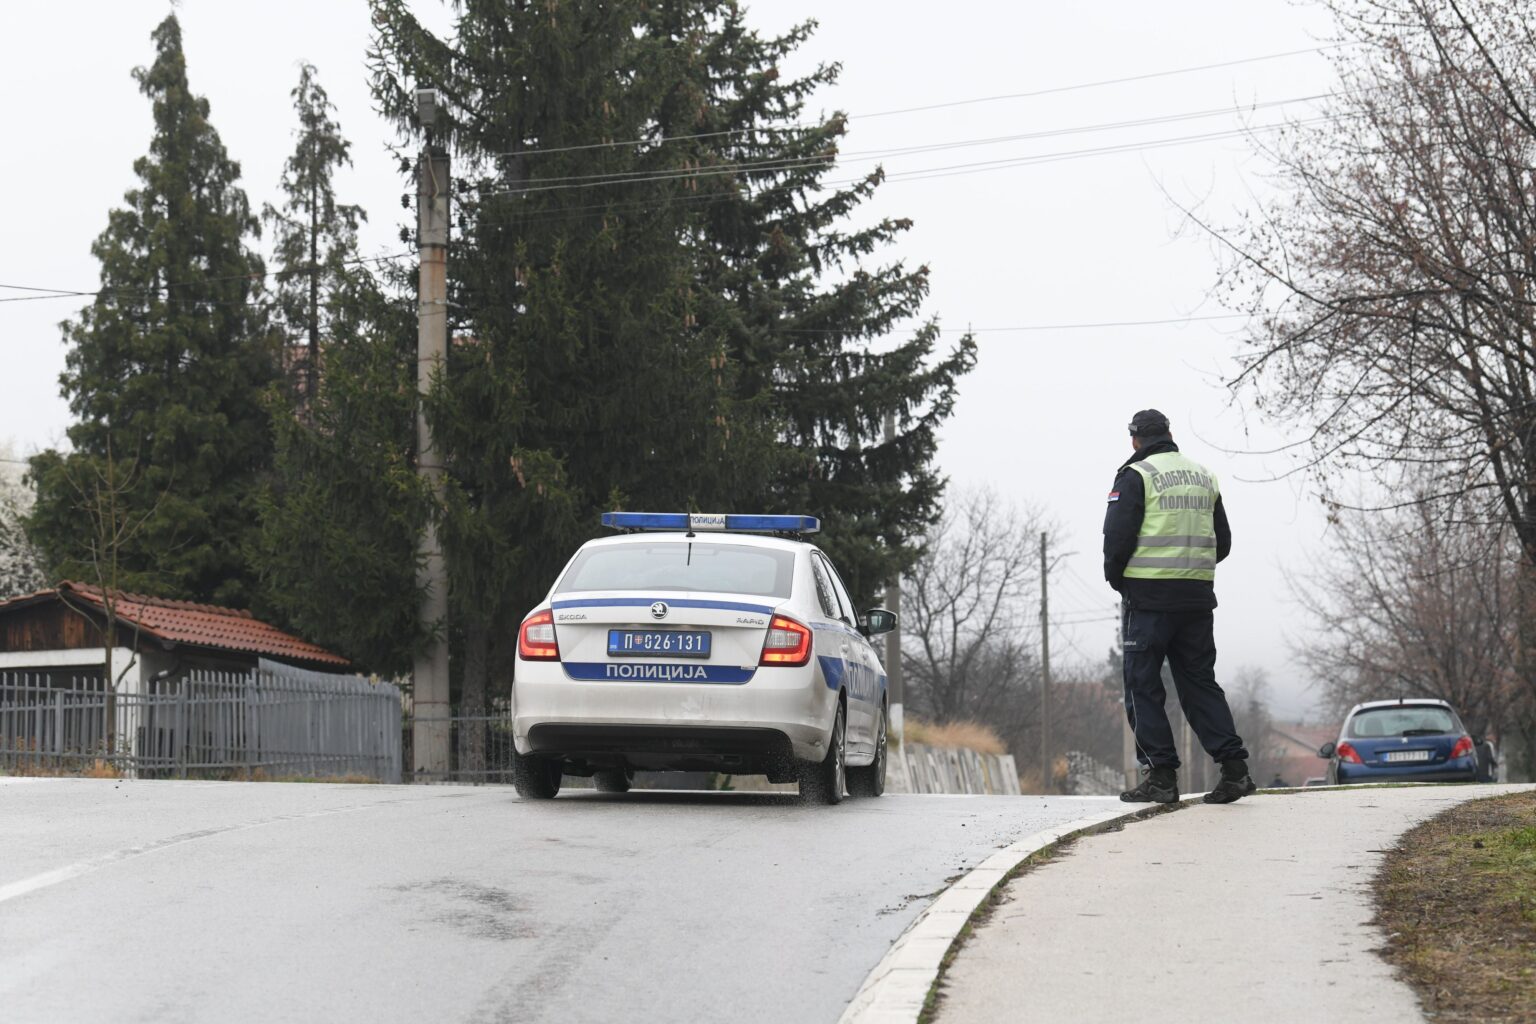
(230, 902)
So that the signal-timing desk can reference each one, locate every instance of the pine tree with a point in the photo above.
(314, 236)
(679, 322)
(342, 508)
(167, 367)
(575, 378)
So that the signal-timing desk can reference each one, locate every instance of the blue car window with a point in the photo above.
(1403, 720)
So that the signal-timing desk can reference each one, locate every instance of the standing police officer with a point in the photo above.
(1163, 534)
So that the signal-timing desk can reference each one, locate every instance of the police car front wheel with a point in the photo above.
(870, 779)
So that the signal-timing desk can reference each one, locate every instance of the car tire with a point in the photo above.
(870, 779)
(825, 781)
(612, 780)
(535, 778)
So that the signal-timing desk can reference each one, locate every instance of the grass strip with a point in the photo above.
(1457, 900)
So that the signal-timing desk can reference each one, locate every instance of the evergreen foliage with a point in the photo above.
(314, 236)
(341, 514)
(343, 507)
(166, 370)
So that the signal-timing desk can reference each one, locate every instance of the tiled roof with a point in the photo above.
(201, 625)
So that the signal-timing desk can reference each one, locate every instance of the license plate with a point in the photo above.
(1394, 756)
(649, 643)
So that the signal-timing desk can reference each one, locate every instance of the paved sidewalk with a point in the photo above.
(1254, 912)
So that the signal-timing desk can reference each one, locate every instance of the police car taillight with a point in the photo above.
(536, 640)
(788, 643)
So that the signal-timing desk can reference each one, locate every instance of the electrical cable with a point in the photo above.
(64, 293)
(802, 126)
(943, 170)
(786, 162)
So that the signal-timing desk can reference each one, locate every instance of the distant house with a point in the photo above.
(57, 637)
(1293, 751)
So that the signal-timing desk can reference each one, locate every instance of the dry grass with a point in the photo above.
(49, 768)
(1457, 900)
(963, 735)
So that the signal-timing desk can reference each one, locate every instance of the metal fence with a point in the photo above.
(479, 745)
(268, 723)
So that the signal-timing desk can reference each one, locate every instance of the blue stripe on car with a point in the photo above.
(832, 670)
(646, 602)
(657, 672)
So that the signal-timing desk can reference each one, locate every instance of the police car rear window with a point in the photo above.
(700, 565)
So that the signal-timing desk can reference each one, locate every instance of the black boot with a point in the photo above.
(1235, 783)
(1159, 786)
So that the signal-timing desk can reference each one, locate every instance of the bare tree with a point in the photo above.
(1405, 604)
(100, 485)
(1393, 285)
(1250, 695)
(970, 641)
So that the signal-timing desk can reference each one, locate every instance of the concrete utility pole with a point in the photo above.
(1045, 668)
(893, 638)
(430, 723)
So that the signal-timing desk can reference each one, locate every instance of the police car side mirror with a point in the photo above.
(1326, 750)
(877, 621)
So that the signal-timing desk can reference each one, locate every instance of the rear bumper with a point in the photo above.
(780, 714)
(1463, 769)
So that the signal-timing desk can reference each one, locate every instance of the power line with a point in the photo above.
(803, 125)
(865, 155)
(66, 293)
(1056, 327)
(792, 163)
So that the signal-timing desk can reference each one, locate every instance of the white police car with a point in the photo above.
(701, 643)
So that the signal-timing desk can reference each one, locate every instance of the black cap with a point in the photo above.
(1149, 423)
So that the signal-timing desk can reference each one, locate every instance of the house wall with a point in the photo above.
(50, 626)
(67, 666)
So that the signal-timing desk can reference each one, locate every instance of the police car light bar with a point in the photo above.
(712, 522)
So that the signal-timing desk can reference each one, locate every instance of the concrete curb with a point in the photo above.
(897, 989)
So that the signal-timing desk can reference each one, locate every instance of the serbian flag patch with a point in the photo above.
(1114, 495)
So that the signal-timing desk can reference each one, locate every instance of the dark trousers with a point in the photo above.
(1186, 640)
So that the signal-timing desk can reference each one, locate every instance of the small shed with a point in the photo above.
(58, 638)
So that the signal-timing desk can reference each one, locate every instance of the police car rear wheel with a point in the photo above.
(535, 778)
(870, 779)
(612, 780)
(824, 781)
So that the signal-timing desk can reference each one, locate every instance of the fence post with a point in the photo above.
(179, 739)
(58, 726)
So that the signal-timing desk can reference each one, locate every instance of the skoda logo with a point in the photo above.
(659, 610)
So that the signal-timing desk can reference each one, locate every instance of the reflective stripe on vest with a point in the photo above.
(1178, 524)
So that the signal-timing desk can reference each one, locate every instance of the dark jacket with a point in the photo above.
(1122, 526)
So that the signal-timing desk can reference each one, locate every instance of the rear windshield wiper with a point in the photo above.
(1423, 732)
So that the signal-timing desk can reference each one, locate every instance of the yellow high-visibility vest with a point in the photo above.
(1178, 526)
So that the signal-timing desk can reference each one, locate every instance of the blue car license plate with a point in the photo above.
(652, 643)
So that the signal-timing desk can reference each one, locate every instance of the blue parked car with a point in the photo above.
(1406, 740)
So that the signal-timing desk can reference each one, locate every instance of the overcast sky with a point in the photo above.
(1092, 240)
